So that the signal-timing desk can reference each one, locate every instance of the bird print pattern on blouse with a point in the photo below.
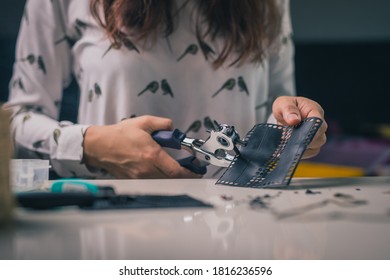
(230, 84)
(161, 86)
(32, 59)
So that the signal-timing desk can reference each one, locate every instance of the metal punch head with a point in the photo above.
(220, 147)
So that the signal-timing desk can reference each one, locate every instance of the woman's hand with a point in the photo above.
(126, 150)
(289, 110)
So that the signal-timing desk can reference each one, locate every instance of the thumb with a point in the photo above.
(286, 111)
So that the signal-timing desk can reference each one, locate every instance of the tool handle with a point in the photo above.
(170, 139)
(188, 163)
(173, 140)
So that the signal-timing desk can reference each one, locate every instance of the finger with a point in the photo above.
(314, 148)
(152, 123)
(309, 153)
(184, 173)
(319, 138)
(286, 111)
(323, 128)
(318, 141)
(170, 168)
(146, 171)
(309, 108)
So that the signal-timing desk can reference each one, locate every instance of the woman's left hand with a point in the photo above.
(291, 110)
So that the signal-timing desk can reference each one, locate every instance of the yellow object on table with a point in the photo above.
(6, 200)
(314, 169)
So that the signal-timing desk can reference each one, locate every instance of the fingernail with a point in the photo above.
(292, 117)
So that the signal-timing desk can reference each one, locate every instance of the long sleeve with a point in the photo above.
(281, 61)
(42, 69)
(130, 81)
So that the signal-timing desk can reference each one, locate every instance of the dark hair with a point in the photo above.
(248, 27)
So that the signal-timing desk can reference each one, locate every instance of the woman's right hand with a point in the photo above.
(127, 150)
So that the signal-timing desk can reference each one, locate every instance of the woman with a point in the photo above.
(165, 63)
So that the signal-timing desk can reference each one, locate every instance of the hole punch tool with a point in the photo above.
(219, 149)
(267, 157)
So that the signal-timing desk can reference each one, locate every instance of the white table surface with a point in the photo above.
(293, 225)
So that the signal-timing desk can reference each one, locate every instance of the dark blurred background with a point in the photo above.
(342, 61)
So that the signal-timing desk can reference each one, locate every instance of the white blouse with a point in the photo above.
(60, 40)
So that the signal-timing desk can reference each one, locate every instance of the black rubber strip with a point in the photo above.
(271, 155)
